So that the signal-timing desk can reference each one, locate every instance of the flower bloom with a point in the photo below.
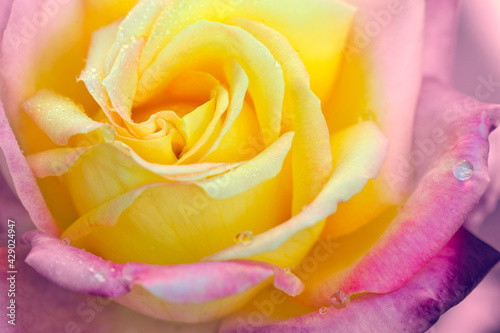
(220, 153)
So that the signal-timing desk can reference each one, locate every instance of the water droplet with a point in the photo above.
(323, 310)
(244, 237)
(463, 170)
(99, 277)
(288, 270)
(65, 241)
(277, 65)
(339, 300)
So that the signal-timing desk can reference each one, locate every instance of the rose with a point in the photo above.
(358, 152)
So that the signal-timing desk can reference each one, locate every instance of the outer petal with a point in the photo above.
(479, 311)
(441, 284)
(449, 128)
(31, 45)
(46, 307)
(379, 80)
(189, 293)
(23, 180)
(60, 118)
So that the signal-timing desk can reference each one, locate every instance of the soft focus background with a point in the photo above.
(478, 313)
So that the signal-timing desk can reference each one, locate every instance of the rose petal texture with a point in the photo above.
(450, 128)
(46, 307)
(415, 307)
(47, 160)
(315, 159)
(176, 293)
(375, 170)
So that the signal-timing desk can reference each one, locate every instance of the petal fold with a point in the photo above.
(451, 137)
(360, 152)
(178, 293)
(442, 283)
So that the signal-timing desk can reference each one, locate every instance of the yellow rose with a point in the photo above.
(207, 144)
(208, 130)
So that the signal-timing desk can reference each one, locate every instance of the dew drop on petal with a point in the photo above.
(244, 237)
(287, 270)
(323, 310)
(99, 277)
(65, 241)
(463, 170)
(339, 300)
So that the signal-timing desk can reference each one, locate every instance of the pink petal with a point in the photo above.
(179, 286)
(449, 128)
(23, 179)
(43, 307)
(441, 284)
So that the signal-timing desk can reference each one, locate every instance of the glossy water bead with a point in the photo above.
(463, 170)
(339, 300)
(323, 310)
(244, 237)
(65, 241)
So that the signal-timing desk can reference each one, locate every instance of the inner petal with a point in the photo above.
(203, 40)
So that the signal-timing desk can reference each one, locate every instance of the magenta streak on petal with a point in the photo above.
(84, 272)
(444, 282)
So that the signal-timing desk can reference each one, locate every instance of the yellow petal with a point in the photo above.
(264, 166)
(312, 164)
(157, 150)
(327, 21)
(206, 40)
(179, 223)
(344, 251)
(137, 24)
(60, 118)
(93, 73)
(121, 82)
(359, 154)
(217, 107)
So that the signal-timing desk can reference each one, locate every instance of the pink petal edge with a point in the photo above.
(442, 283)
(185, 284)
